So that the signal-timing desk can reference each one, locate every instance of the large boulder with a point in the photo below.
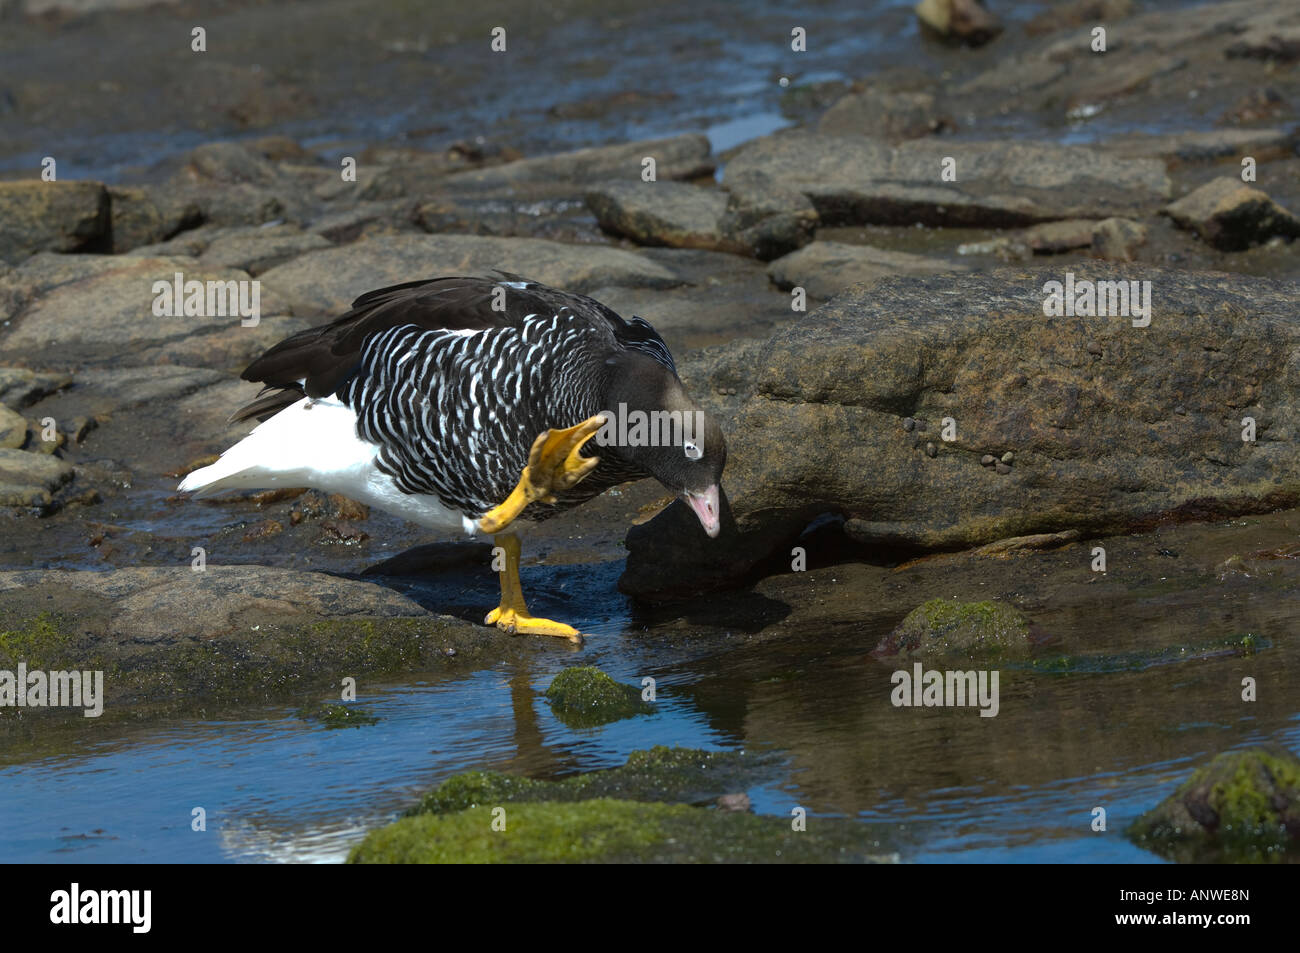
(1057, 423)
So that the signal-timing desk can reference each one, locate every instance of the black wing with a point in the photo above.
(318, 361)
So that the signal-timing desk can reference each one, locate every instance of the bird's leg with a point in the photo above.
(554, 464)
(512, 615)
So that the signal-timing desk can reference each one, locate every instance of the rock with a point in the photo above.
(563, 219)
(256, 250)
(1279, 42)
(95, 309)
(230, 163)
(766, 220)
(824, 269)
(678, 157)
(1205, 146)
(1244, 806)
(817, 427)
(853, 180)
(51, 216)
(1063, 16)
(230, 349)
(247, 631)
(120, 388)
(20, 387)
(584, 697)
(13, 429)
(984, 631)
(964, 21)
(366, 219)
(1117, 239)
(643, 811)
(1232, 216)
(893, 116)
(1052, 237)
(146, 216)
(660, 213)
(30, 479)
(326, 282)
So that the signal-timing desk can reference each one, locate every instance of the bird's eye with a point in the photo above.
(692, 451)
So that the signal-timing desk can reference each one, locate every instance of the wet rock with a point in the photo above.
(125, 387)
(660, 213)
(1275, 41)
(1232, 216)
(853, 180)
(169, 634)
(584, 697)
(256, 250)
(678, 157)
(817, 425)
(229, 162)
(20, 387)
(326, 282)
(30, 479)
(1244, 806)
(979, 630)
(333, 716)
(824, 269)
(102, 306)
(1052, 237)
(964, 21)
(1258, 105)
(13, 429)
(51, 216)
(885, 114)
(738, 802)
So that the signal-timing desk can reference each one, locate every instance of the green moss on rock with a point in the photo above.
(584, 696)
(1242, 806)
(988, 630)
(40, 642)
(607, 830)
(681, 775)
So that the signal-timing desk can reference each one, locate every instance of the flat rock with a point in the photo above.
(1231, 215)
(13, 429)
(824, 269)
(676, 157)
(102, 307)
(815, 418)
(884, 114)
(144, 216)
(326, 282)
(1205, 145)
(30, 479)
(855, 180)
(51, 216)
(256, 250)
(660, 213)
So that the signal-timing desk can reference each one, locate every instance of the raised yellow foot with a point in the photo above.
(553, 465)
(512, 615)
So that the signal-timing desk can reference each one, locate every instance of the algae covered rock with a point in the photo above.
(943, 627)
(606, 830)
(584, 696)
(1242, 806)
(338, 716)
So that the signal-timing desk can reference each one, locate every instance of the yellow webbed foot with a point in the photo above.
(519, 622)
(554, 464)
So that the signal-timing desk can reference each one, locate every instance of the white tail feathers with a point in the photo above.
(312, 443)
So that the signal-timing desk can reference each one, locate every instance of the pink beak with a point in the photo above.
(706, 508)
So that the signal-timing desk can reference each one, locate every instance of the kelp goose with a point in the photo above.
(463, 404)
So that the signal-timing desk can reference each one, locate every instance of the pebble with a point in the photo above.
(909, 424)
(1002, 468)
(987, 460)
(1094, 348)
(931, 450)
(1008, 457)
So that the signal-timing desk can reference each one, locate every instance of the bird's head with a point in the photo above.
(652, 423)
